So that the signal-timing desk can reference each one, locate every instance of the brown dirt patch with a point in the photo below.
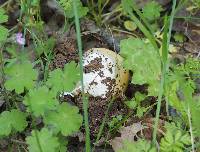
(94, 65)
(65, 51)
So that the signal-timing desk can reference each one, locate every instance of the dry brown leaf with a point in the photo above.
(127, 133)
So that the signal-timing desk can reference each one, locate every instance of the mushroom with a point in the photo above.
(104, 75)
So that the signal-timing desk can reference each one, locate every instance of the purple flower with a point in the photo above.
(19, 38)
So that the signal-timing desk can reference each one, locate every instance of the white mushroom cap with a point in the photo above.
(104, 75)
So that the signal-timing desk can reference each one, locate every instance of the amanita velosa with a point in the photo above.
(104, 75)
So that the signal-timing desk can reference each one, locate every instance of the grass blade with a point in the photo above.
(84, 98)
(165, 48)
(145, 31)
(143, 18)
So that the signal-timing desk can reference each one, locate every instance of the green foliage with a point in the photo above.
(130, 25)
(142, 59)
(173, 82)
(140, 56)
(151, 11)
(179, 92)
(178, 37)
(175, 139)
(45, 47)
(141, 145)
(3, 16)
(192, 66)
(12, 51)
(115, 120)
(48, 143)
(3, 30)
(20, 76)
(65, 119)
(64, 80)
(127, 6)
(68, 8)
(135, 103)
(196, 3)
(195, 110)
(40, 100)
(12, 120)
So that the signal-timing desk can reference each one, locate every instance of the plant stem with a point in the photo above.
(146, 23)
(145, 31)
(84, 98)
(104, 121)
(166, 42)
(191, 133)
(1, 64)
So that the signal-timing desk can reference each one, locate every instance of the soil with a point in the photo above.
(66, 51)
(94, 65)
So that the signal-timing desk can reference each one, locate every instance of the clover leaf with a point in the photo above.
(20, 76)
(47, 142)
(10, 120)
(65, 119)
(142, 59)
(40, 100)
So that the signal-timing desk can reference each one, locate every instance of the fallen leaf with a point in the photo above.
(127, 133)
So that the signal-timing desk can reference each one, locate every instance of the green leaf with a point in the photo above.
(18, 120)
(46, 47)
(135, 103)
(3, 30)
(14, 119)
(178, 37)
(55, 80)
(143, 60)
(151, 11)
(3, 16)
(179, 91)
(68, 8)
(4, 33)
(65, 119)
(130, 25)
(40, 100)
(5, 127)
(127, 5)
(64, 80)
(194, 108)
(12, 51)
(71, 76)
(20, 76)
(175, 139)
(136, 100)
(48, 143)
(141, 145)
